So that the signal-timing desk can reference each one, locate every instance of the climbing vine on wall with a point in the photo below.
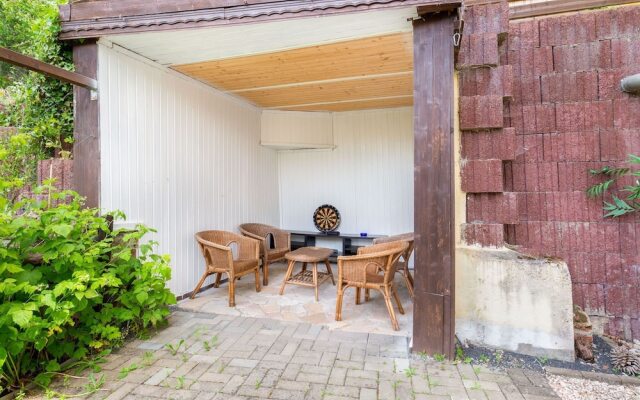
(625, 200)
(41, 108)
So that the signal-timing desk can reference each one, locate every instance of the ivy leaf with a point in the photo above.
(62, 229)
(22, 317)
(3, 356)
(142, 297)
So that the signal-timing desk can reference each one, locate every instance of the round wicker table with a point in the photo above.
(313, 278)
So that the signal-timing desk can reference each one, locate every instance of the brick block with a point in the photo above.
(617, 144)
(526, 91)
(541, 177)
(626, 113)
(618, 22)
(499, 208)
(568, 30)
(523, 34)
(572, 146)
(533, 61)
(497, 144)
(483, 234)
(583, 57)
(481, 112)
(487, 18)
(540, 118)
(583, 116)
(570, 86)
(478, 50)
(482, 176)
(609, 82)
(625, 52)
(56, 168)
(487, 81)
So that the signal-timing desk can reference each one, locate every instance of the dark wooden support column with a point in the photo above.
(433, 317)
(86, 147)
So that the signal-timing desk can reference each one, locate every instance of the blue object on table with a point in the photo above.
(363, 234)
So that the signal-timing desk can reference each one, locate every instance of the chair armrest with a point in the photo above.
(217, 254)
(354, 268)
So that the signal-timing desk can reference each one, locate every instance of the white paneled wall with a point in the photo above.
(368, 176)
(296, 129)
(180, 157)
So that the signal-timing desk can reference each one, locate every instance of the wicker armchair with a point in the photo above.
(362, 271)
(268, 253)
(403, 262)
(218, 256)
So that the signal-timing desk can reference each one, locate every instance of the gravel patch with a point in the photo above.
(582, 389)
(505, 359)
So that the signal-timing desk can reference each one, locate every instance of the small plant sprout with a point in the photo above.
(185, 358)
(432, 383)
(477, 370)
(180, 382)
(258, 383)
(476, 386)
(423, 355)
(484, 359)
(211, 343)
(147, 358)
(467, 360)
(410, 372)
(498, 355)
(543, 360)
(124, 371)
(439, 357)
(459, 353)
(94, 384)
(173, 349)
(395, 384)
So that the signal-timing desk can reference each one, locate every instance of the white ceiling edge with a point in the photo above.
(187, 46)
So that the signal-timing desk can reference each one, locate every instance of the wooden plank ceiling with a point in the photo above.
(373, 72)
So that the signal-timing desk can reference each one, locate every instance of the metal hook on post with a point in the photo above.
(456, 39)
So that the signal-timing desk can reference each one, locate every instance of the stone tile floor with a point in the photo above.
(207, 356)
(297, 304)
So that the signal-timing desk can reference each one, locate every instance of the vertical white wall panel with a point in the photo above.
(297, 129)
(180, 157)
(368, 176)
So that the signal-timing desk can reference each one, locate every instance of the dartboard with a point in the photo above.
(326, 218)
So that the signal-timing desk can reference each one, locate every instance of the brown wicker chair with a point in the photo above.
(218, 256)
(268, 254)
(362, 271)
(403, 262)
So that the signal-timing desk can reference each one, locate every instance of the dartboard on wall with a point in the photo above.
(326, 218)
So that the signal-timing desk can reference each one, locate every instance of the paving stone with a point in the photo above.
(121, 392)
(423, 396)
(243, 363)
(536, 391)
(282, 394)
(337, 376)
(344, 391)
(159, 376)
(252, 391)
(359, 382)
(232, 385)
(484, 385)
(293, 385)
(314, 378)
(355, 373)
(215, 377)
(368, 394)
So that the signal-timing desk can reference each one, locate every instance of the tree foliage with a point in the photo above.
(40, 107)
(630, 202)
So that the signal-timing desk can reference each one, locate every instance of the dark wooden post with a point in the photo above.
(433, 326)
(86, 147)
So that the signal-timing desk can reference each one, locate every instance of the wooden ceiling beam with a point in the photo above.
(52, 71)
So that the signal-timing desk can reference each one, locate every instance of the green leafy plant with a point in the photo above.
(180, 382)
(174, 348)
(70, 287)
(543, 360)
(124, 371)
(439, 357)
(618, 207)
(459, 353)
(484, 359)
(410, 372)
(147, 358)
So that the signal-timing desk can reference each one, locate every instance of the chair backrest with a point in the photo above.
(384, 256)
(267, 232)
(212, 242)
(408, 237)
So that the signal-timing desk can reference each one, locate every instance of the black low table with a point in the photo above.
(348, 249)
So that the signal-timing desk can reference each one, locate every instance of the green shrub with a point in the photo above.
(69, 286)
(618, 206)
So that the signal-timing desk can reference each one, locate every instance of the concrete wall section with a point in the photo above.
(514, 303)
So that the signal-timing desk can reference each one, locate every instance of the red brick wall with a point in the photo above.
(569, 115)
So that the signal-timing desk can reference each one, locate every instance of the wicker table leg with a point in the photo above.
(329, 271)
(315, 278)
(287, 276)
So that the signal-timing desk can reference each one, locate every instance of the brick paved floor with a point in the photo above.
(232, 357)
